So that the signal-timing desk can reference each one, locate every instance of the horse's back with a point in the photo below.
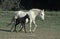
(35, 10)
(20, 13)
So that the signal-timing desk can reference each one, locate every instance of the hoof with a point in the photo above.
(11, 31)
(19, 30)
(30, 31)
(33, 31)
(25, 32)
(22, 31)
(14, 30)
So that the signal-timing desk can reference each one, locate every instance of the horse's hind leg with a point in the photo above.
(12, 26)
(35, 26)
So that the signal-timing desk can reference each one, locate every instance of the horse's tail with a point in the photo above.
(11, 21)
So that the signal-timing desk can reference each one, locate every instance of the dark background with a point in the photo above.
(28, 4)
(42, 4)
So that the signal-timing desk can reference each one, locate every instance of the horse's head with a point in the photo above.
(42, 14)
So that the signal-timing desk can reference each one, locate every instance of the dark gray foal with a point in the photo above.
(22, 21)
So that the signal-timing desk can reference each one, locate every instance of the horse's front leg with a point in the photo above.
(30, 25)
(35, 26)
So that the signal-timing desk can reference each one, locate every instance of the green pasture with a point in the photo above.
(47, 29)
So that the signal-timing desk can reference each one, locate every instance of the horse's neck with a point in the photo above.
(36, 12)
(32, 15)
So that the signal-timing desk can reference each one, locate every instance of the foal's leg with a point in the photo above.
(21, 28)
(15, 28)
(16, 23)
(24, 28)
(35, 25)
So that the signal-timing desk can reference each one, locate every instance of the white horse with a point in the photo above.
(32, 15)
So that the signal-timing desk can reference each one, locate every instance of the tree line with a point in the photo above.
(10, 4)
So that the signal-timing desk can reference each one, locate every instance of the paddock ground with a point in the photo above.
(48, 29)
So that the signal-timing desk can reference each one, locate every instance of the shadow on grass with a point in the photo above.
(5, 30)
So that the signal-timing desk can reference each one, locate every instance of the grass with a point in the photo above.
(48, 29)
